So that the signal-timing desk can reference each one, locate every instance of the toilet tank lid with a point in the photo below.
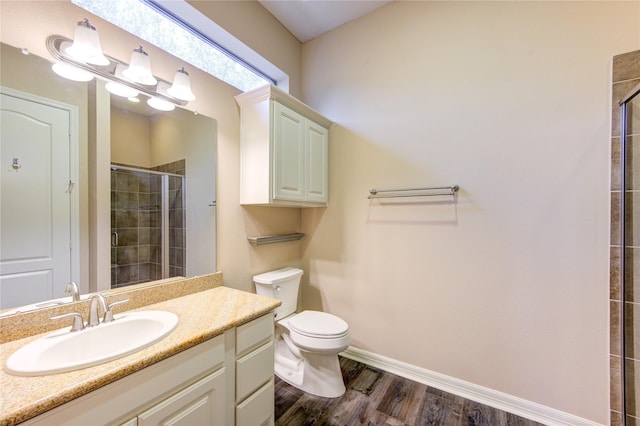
(275, 277)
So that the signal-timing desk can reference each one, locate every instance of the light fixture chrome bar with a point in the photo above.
(108, 72)
(413, 192)
(272, 239)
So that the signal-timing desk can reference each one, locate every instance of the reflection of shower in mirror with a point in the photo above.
(147, 223)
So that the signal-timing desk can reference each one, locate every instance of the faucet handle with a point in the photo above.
(78, 323)
(108, 314)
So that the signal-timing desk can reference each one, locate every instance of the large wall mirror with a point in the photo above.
(142, 185)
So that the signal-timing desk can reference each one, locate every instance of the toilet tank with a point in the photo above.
(282, 284)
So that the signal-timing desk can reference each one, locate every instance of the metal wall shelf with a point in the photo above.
(272, 239)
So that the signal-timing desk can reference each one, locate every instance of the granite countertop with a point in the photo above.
(202, 316)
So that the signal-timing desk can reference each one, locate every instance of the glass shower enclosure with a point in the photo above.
(147, 225)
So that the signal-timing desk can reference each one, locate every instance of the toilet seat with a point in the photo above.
(318, 325)
(317, 332)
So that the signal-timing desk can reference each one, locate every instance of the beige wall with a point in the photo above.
(253, 25)
(130, 139)
(507, 287)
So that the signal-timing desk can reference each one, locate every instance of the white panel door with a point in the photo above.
(35, 208)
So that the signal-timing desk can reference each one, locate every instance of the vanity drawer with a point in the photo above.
(253, 334)
(258, 408)
(254, 370)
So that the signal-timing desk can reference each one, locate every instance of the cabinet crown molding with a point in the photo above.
(274, 93)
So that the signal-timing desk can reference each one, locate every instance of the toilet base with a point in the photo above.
(317, 374)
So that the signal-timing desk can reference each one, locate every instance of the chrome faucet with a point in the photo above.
(97, 301)
(94, 319)
(72, 288)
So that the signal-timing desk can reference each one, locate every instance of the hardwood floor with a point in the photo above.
(375, 397)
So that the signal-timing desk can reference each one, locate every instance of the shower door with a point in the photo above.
(147, 226)
(630, 255)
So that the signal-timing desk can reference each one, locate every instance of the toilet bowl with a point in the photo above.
(306, 343)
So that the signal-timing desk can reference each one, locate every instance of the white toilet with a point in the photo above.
(307, 343)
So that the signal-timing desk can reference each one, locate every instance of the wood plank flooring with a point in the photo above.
(375, 397)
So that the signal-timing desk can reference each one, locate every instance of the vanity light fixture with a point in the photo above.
(160, 104)
(86, 45)
(126, 80)
(181, 87)
(70, 72)
(119, 89)
(139, 70)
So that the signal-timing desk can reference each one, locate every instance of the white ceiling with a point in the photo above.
(307, 19)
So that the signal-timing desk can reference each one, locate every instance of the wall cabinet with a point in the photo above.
(284, 150)
(227, 377)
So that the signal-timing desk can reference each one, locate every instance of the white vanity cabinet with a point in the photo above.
(189, 385)
(254, 362)
(284, 150)
(227, 377)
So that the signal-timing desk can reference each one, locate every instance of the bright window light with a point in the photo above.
(143, 19)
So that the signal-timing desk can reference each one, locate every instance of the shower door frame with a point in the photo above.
(623, 253)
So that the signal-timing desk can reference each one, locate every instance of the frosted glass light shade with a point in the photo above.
(70, 72)
(86, 45)
(160, 104)
(181, 87)
(139, 69)
(121, 90)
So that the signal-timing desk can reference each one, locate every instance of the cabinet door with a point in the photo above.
(202, 403)
(288, 155)
(317, 163)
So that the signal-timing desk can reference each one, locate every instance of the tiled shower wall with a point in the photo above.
(136, 218)
(626, 75)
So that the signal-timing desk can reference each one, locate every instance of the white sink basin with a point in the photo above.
(63, 351)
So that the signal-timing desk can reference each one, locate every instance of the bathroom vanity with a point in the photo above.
(216, 368)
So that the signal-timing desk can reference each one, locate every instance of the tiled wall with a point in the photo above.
(136, 217)
(626, 75)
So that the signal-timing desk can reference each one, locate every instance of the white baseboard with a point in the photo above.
(518, 406)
